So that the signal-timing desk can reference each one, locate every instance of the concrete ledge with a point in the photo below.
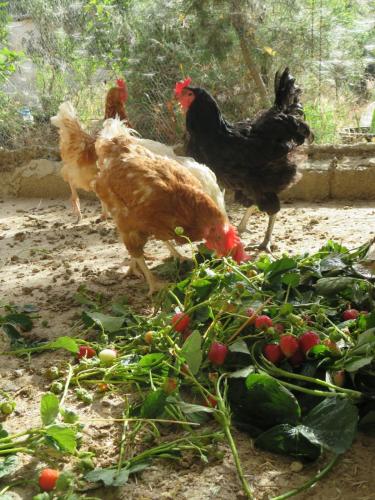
(325, 175)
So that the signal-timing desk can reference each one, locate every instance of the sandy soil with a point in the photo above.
(45, 257)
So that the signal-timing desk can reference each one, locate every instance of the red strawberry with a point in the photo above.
(47, 479)
(308, 340)
(350, 314)
(288, 345)
(217, 353)
(273, 353)
(86, 351)
(263, 322)
(180, 321)
(297, 359)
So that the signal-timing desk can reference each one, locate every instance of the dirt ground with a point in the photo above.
(45, 257)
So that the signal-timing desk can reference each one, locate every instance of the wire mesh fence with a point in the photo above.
(74, 50)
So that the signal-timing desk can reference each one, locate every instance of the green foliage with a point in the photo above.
(79, 46)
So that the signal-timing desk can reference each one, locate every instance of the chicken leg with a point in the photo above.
(174, 252)
(242, 226)
(153, 283)
(266, 243)
(75, 203)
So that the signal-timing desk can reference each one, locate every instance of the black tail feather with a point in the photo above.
(287, 94)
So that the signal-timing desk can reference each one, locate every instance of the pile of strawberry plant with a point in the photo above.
(283, 349)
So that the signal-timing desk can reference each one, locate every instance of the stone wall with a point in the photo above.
(329, 172)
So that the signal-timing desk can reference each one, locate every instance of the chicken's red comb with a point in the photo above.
(179, 87)
(234, 245)
(231, 238)
(120, 83)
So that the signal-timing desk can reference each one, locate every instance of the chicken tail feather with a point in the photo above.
(287, 94)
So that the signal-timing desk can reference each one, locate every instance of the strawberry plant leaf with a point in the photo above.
(334, 285)
(8, 465)
(268, 402)
(108, 323)
(291, 279)
(239, 346)
(332, 263)
(192, 352)
(12, 332)
(188, 408)
(280, 267)
(49, 408)
(288, 440)
(151, 360)
(21, 320)
(154, 404)
(66, 343)
(113, 477)
(3, 432)
(355, 363)
(332, 423)
(64, 436)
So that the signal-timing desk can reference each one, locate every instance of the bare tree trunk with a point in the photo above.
(246, 38)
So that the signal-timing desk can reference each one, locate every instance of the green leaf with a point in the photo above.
(288, 440)
(188, 408)
(151, 360)
(279, 267)
(154, 404)
(113, 477)
(66, 343)
(109, 324)
(291, 279)
(49, 408)
(12, 332)
(367, 337)
(64, 436)
(332, 423)
(8, 465)
(192, 352)
(355, 363)
(334, 285)
(239, 346)
(109, 477)
(286, 309)
(268, 402)
(332, 263)
(21, 320)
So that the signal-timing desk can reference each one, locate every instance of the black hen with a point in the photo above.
(251, 158)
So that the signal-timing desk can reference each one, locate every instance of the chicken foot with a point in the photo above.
(266, 243)
(134, 269)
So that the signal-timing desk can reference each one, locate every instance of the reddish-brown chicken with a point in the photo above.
(149, 196)
(115, 102)
(77, 147)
